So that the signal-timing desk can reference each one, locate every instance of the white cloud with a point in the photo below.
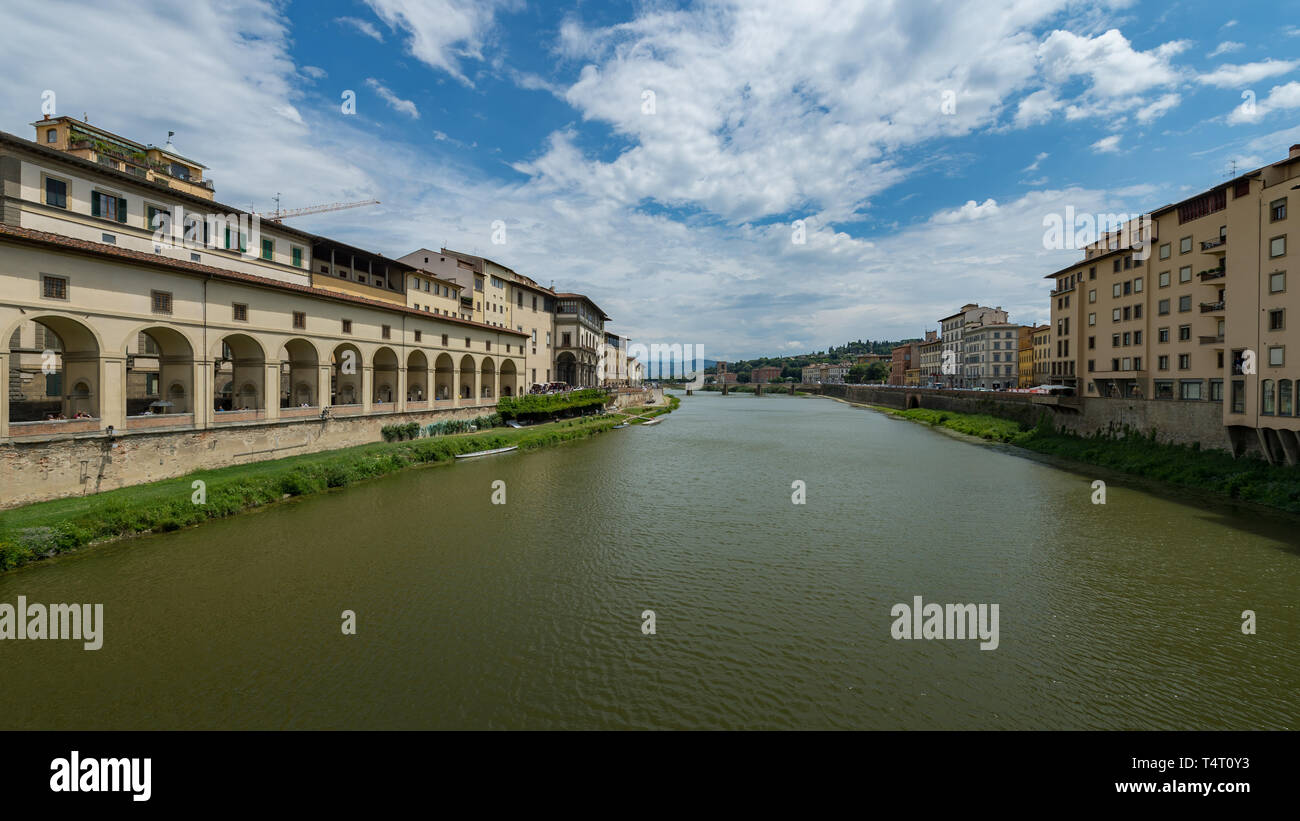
(1226, 47)
(443, 33)
(1118, 76)
(315, 72)
(1280, 98)
(1033, 166)
(969, 212)
(1157, 108)
(364, 26)
(396, 103)
(1237, 76)
(1107, 145)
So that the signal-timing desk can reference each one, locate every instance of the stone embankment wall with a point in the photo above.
(1182, 423)
(77, 465)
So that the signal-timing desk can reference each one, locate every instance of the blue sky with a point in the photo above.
(678, 221)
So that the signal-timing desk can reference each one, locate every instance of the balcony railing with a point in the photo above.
(1213, 273)
(1211, 340)
(1211, 244)
(1210, 307)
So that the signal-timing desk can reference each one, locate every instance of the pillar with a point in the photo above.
(4, 394)
(455, 385)
(367, 388)
(496, 385)
(401, 388)
(203, 397)
(272, 388)
(430, 387)
(324, 375)
(111, 391)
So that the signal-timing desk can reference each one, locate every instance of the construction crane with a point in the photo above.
(277, 214)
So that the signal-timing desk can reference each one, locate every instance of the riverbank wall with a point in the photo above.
(1175, 423)
(71, 465)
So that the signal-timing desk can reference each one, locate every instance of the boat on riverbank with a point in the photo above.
(492, 452)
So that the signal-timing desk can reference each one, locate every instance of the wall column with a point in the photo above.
(4, 394)
(496, 385)
(401, 389)
(201, 393)
(272, 402)
(112, 392)
(324, 375)
(367, 388)
(431, 387)
(455, 385)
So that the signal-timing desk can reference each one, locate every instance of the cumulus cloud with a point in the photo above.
(1225, 47)
(1280, 98)
(969, 212)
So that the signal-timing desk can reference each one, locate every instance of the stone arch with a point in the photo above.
(347, 366)
(509, 378)
(385, 365)
(299, 374)
(159, 371)
(240, 360)
(55, 370)
(444, 370)
(566, 368)
(468, 378)
(913, 401)
(417, 376)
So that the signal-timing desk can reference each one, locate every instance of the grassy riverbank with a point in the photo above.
(1248, 479)
(48, 528)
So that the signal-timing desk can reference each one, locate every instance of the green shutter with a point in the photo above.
(94, 204)
(121, 209)
(227, 237)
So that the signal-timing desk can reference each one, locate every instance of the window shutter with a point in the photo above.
(94, 204)
(121, 209)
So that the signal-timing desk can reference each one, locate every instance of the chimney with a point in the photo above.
(47, 116)
(1295, 151)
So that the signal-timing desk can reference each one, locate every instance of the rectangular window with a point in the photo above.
(1277, 247)
(1276, 319)
(1137, 285)
(1092, 296)
(417, 336)
(162, 302)
(56, 193)
(1163, 281)
(1277, 210)
(467, 342)
(347, 326)
(444, 340)
(1184, 333)
(1164, 389)
(1277, 356)
(1092, 319)
(1277, 282)
(268, 248)
(54, 287)
(1163, 335)
(1116, 289)
(1238, 396)
(1137, 311)
(1128, 313)
(1185, 274)
(239, 311)
(1137, 337)
(299, 320)
(1184, 361)
(1114, 340)
(107, 206)
(1184, 304)
(1185, 245)
(1216, 390)
(1165, 251)
(295, 255)
(1162, 363)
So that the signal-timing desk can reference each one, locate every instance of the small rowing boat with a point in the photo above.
(486, 452)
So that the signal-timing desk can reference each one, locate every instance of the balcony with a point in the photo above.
(1211, 307)
(1215, 246)
(1213, 274)
(1211, 340)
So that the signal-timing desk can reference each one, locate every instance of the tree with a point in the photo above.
(857, 374)
(876, 372)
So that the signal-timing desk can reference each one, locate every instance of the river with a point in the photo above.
(768, 614)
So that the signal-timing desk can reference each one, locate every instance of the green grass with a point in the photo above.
(984, 426)
(49, 528)
(1249, 479)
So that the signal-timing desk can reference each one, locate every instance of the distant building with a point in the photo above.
(905, 357)
(765, 373)
(953, 330)
(812, 375)
(992, 356)
(931, 353)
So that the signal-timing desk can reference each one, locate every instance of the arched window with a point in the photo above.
(1267, 408)
(1284, 397)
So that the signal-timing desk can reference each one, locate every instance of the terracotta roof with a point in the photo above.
(99, 249)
